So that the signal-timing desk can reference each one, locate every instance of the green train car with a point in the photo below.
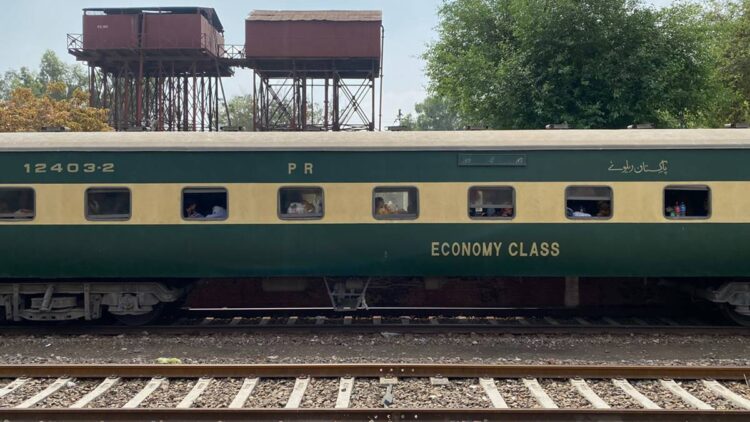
(125, 222)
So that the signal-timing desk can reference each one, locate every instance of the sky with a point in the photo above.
(29, 27)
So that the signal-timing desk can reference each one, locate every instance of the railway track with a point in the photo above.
(373, 392)
(204, 322)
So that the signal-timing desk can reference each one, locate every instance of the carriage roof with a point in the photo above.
(379, 141)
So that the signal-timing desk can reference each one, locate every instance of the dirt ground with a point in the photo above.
(379, 347)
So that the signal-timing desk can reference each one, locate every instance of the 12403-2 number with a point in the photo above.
(69, 168)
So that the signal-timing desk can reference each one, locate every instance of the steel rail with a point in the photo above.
(139, 414)
(376, 370)
(198, 329)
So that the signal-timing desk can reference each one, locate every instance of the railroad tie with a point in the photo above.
(727, 394)
(611, 321)
(346, 387)
(100, 389)
(581, 321)
(585, 390)
(683, 394)
(551, 321)
(207, 320)
(12, 386)
(235, 321)
(247, 388)
(38, 397)
(636, 395)
(491, 389)
(194, 393)
(152, 385)
(539, 394)
(300, 385)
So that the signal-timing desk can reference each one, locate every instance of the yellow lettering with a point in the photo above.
(445, 249)
(487, 249)
(291, 167)
(476, 249)
(434, 248)
(456, 249)
(522, 253)
(544, 249)
(513, 249)
(308, 168)
(555, 249)
(497, 246)
(533, 251)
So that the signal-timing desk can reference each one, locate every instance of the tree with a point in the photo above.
(732, 43)
(590, 63)
(240, 111)
(51, 69)
(26, 112)
(436, 113)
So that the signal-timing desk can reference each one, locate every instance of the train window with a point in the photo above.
(107, 204)
(205, 204)
(588, 202)
(393, 203)
(300, 203)
(687, 202)
(492, 202)
(17, 204)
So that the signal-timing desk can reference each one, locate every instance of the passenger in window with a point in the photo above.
(192, 211)
(298, 205)
(475, 205)
(506, 212)
(380, 207)
(581, 213)
(218, 213)
(605, 209)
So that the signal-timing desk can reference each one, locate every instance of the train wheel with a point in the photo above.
(143, 319)
(731, 312)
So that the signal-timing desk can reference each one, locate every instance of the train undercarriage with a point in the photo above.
(137, 302)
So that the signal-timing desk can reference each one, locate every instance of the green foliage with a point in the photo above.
(436, 113)
(51, 69)
(733, 47)
(240, 111)
(590, 63)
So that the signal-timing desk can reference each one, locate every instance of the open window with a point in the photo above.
(17, 204)
(393, 203)
(204, 204)
(687, 202)
(588, 202)
(492, 202)
(301, 203)
(107, 204)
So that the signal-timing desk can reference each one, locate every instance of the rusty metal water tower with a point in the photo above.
(155, 68)
(314, 70)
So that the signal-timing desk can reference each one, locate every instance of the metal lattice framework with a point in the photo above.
(156, 90)
(163, 100)
(293, 101)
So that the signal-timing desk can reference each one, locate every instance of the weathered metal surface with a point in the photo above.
(378, 370)
(110, 32)
(340, 34)
(376, 414)
(317, 15)
(180, 31)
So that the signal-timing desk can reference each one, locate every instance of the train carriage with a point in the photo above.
(123, 222)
